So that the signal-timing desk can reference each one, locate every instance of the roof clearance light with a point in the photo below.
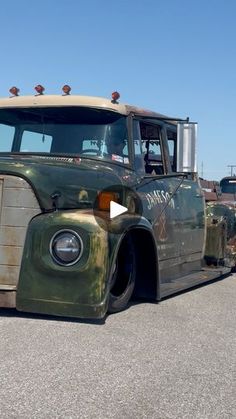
(39, 89)
(14, 91)
(115, 96)
(66, 90)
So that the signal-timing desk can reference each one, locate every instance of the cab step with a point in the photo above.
(192, 280)
(7, 296)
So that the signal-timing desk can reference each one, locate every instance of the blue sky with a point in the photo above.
(176, 57)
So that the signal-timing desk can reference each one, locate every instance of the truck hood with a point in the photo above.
(63, 183)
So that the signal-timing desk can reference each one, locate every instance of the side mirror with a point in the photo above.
(186, 147)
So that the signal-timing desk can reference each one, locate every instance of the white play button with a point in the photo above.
(106, 208)
(116, 209)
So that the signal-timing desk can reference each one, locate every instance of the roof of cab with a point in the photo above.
(74, 100)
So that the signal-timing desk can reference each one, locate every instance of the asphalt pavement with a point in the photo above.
(175, 359)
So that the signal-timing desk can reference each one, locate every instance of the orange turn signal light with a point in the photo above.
(105, 198)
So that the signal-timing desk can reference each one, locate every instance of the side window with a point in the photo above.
(35, 142)
(154, 147)
(7, 133)
(172, 145)
(138, 152)
(151, 148)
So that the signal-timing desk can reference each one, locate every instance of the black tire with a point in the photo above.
(123, 280)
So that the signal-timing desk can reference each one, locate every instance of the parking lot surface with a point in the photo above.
(175, 359)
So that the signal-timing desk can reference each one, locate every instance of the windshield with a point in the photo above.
(65, 130)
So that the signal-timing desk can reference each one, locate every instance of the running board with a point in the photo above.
(193, 279)
(7, 296)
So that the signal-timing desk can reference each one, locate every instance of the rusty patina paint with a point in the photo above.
(78, 290)
(66, 183)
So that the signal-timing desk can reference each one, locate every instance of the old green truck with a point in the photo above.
(100, 203)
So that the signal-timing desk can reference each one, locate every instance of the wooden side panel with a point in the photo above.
(18, 206)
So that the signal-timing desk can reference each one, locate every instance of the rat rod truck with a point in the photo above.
(64, 160)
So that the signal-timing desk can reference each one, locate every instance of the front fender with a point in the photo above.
(46, 287)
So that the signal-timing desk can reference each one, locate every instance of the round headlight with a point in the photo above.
(66, 247)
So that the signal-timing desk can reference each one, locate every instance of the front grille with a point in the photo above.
(18, 205)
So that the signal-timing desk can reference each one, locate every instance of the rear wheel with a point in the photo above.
(123, 280)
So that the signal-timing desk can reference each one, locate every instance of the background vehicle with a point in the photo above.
(221, 233)
(228, 186)
(63, 160)
(221, 219)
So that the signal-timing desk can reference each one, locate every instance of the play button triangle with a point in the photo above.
(116, 209)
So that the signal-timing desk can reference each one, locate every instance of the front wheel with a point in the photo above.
(123, 280)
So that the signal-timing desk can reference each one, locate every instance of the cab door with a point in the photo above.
(191, 212)
(157, 189)
(172, 203)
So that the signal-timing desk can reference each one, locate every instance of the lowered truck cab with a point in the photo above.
(63, 160)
